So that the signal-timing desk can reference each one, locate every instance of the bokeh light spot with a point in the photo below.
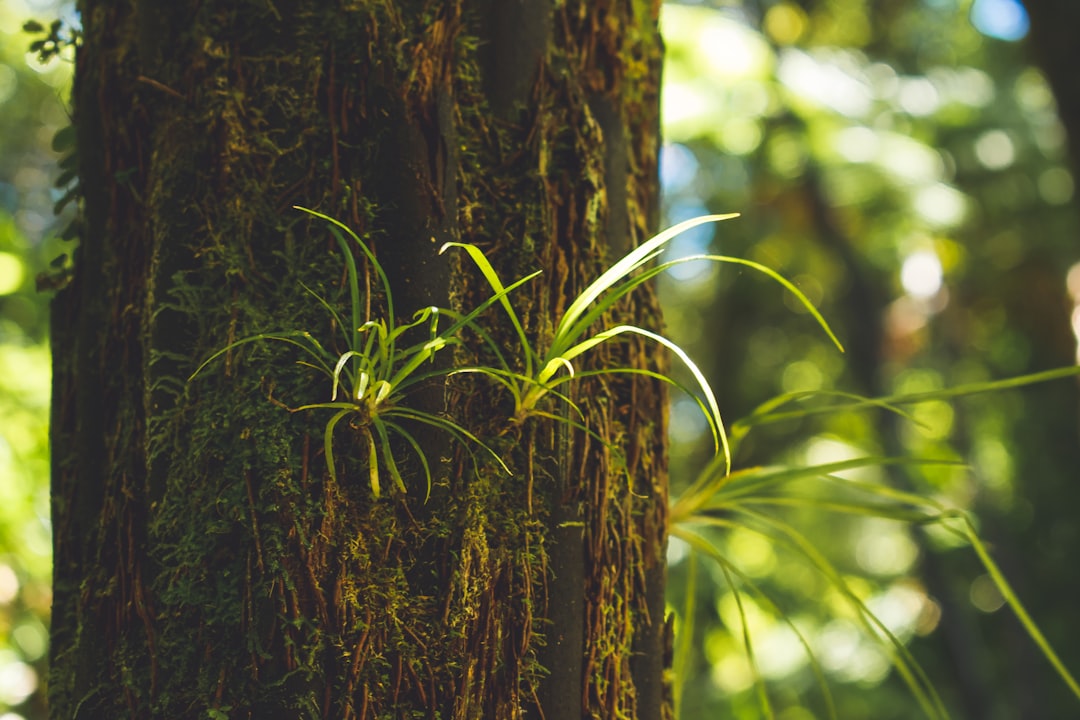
(8, 82)
(802, 376)
(826, 81)
(12, 273)
(9, 584)
(918, 96)
(17, 679)
(1056, 186)
(995, 150)
(752, 553)
(921, 274)
(1000, 19)
(885, 550)
(940, 205)
(785, 23)
(678, 167)
(985, 595)
(687, 423)
(732, 50)
(741, 136)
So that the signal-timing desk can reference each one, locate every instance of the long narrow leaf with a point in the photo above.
(328, 441)
(684, 637)
(716, 423)
(341, 324)
(1017, 607)
(711, 551)
(417, 449)
(493, 280)
(627, 264)
(740, 427)
(353, 278)
(803, 300)
(592, 315)
(716, 489)
(500, 296)
(667, 379)
(388, 454)
(373, 465)
(913, 398)
(367, 251)
(314, 349)
(699, 543)
(458, 432)
(910, 670)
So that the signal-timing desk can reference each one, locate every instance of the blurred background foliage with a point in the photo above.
(903, 161)
(32, 110)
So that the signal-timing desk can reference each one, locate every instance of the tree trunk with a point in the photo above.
(1052, 45)
(207, 564)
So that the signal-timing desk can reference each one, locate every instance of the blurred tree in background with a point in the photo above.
(905, 162)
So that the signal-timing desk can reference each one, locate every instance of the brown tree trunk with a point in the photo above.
(206, 562)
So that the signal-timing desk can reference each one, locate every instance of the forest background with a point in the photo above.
(904, 162)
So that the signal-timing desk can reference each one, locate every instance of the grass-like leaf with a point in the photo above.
(378, 367)
(755, 494)
(711, 550)
(769, 414)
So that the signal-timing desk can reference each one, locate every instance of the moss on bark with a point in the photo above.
(206, 564)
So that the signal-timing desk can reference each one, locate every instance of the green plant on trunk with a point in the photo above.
(537, 374)
(370, 379)
(383, 361)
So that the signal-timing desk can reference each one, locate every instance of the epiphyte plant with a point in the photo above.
(542, 373)
(371, 378)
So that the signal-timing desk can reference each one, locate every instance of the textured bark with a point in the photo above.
(206, 565)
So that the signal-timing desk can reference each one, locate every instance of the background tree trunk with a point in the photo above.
(1054, 49)
(205, 563)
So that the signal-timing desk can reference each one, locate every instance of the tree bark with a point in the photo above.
(206, 563)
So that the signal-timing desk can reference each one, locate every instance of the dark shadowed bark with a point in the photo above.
(1053, 46)
(206, 563)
